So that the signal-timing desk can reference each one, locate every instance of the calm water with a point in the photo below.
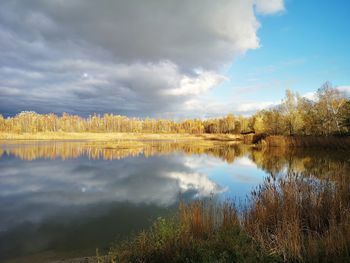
(64, 199)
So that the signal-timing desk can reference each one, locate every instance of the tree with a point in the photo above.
(307, 109)
(273, 121)
(227, 124)
(346, 119)
(329, 106)
(329, 113)
(2, 123)
(258, 123)
(292, 116)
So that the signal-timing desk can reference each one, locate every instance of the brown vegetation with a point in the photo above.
(301, 218)
(200, 232)
(305, 141)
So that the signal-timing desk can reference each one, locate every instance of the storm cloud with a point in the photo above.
(138, 58)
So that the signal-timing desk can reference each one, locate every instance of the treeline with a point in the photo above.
(31, 122)
(328, 113)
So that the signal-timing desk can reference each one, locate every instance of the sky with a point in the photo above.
(168, 59)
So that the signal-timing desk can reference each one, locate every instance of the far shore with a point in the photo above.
(117, 136)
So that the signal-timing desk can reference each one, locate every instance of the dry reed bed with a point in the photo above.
(333, 142)
(301, 218)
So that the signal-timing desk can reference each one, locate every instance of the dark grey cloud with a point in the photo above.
(129, 57)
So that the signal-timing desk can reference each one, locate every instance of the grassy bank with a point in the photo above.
(116, 136)
(292, 219)
(200, 232)
(334, 142)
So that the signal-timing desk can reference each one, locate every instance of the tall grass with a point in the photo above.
(301, 218)
(295, 218)
(334, 142)
(200, 232)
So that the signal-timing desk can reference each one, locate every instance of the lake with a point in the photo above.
(63, 199)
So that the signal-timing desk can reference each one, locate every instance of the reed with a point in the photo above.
(200, 232)
(328, 142)
(301, 218)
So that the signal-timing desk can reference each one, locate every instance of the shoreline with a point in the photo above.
(258, 140)
(89, 136)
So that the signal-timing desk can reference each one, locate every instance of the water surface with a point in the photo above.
(65, 199)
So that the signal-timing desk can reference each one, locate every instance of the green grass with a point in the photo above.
(193, 235)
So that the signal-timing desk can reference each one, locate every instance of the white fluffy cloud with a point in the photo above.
(194, 86)
(210, 109)
(345, 90)
(251, 107)
(127, 57)
(269, 6)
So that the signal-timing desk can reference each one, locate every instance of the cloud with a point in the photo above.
(189, 33)
(212, 108)
(269, 6)
(311, 95)
(256, 106)
(133, 58)
(195, 86)
(345, 90)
